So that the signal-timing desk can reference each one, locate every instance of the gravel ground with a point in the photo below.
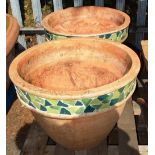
(18, 124)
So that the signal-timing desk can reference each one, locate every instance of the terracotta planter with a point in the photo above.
(100, 22)
(76, 88)
(12, 31)
(144, 44)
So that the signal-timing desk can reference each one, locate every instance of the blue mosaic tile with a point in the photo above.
(89, 109)
(64, 111)
(30, 103)
(114, 101)
(116, 36)
(74, 107)
(43, 108)
(78, 103)
(62, 104)
(47, 103)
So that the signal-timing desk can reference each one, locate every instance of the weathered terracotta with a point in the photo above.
(76, 88)
(12, 31)
(144, 44)
(94, 21)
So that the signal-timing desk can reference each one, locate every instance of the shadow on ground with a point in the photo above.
(123, 141)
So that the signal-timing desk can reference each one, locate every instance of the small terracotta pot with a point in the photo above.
(76, 88)
(100, 22)
(12, 31)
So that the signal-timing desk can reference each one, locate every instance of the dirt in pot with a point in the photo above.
(72, 76)
(86, 26)
(82, 20)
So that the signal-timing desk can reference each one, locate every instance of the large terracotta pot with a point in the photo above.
(101, 22)
(76, 88)
(12, 31)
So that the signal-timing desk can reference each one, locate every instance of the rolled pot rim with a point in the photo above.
(12, 33)
(69, 117)
(144, 52)
(118, 28)
(69, 95)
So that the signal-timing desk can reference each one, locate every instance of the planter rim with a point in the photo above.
(88, 93)
(71, 117)
(144, 44)
(118, 28)
(12, 33)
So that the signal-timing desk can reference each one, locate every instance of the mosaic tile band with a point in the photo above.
(76, 107)
(119, 36)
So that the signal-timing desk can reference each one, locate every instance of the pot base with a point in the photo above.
(80, 133)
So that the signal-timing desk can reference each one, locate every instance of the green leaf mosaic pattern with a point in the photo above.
(119, 36)
(76, 107)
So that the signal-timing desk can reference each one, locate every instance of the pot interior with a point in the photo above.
(85, 20)
(73, 65)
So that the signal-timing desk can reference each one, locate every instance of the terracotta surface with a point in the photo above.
(89, 55)
(12, 31)
(70, 76)
(81, 132)
(115, 57)
(88, 20)
(144, 44)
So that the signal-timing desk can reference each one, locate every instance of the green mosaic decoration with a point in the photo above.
(119, 36)
(76, 107)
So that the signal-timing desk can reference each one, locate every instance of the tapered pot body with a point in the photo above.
(80, 132)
